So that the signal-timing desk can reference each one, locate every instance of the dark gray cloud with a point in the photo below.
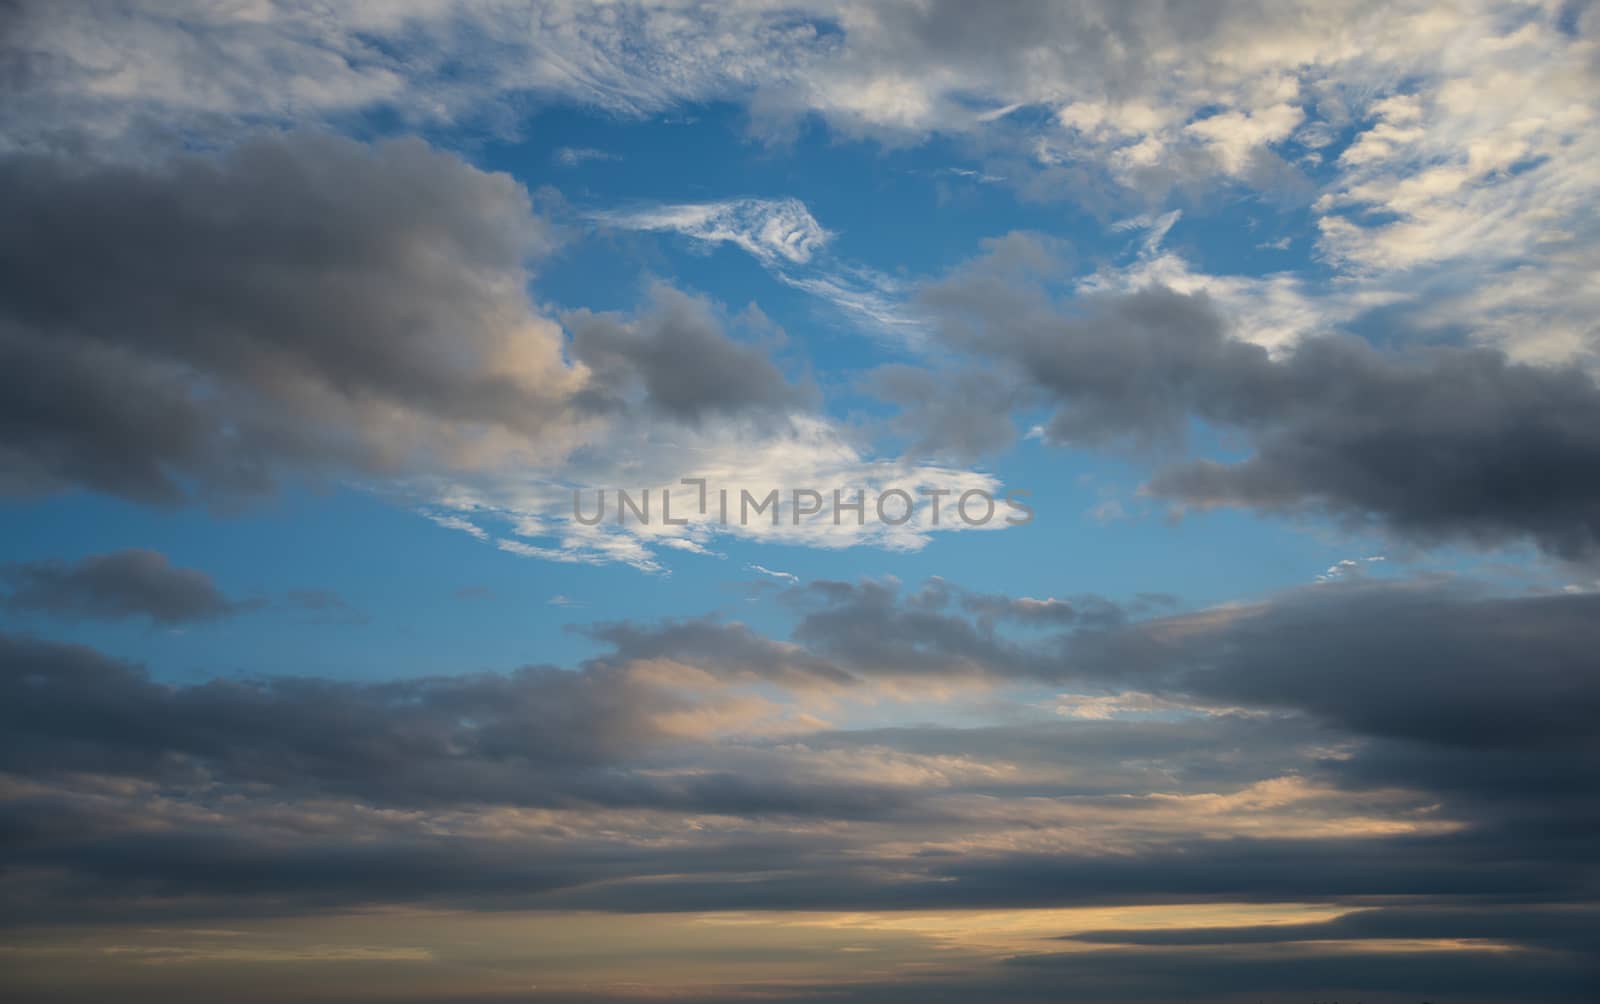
(1438, 663)
(300, 302)
(1482, 671)
(1420, 702)
(1484, 700)
(1445, 442)
(730, 649)
(70, 708)
(540, 736)
(1338, 973)
(1437, 674)
(866, 628)
(1472, 868)
(678, 356)
(1563, 926)
(988, 608)
(850, 632)
(963, 414)
(122, 584)
(306, 306)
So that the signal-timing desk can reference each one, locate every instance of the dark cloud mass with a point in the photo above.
(1418, 757)
(306, 306)
(300, 301)
(131, 583)
(678, 356)
(1438, 443)
(1488, 729)
(69, 707)
(1479, 671)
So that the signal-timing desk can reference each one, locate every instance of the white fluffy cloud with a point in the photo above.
(531, 512)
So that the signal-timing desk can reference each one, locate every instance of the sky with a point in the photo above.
(1217, 382)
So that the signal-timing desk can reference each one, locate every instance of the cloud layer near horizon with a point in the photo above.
(1268, 753)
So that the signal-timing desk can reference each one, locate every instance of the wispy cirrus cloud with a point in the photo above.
(577, 156)
(774, 231)
(785, 238)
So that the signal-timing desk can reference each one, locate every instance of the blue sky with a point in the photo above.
(911, 214)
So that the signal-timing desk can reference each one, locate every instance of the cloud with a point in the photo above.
(789, 577)
(214, 324)
(727, 650)
(1275, 310)
(866, 629)
(1087, 92)
(576, 156)
(962, 413)
(532, 512)
(117, 586)
(785, 238)
(1348, 567)
(324, 606)
(1363, 788)
(326, 309)
(447, 734)
(1549, 927)
(1481, 173)
(1103, 707)
(1435, 444)
(1474, 447)
(1358, 746)
(773, 231)
(1329, 650)
(678, 354)
(937, 594)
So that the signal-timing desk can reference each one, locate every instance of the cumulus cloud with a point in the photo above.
(676, 353)
(1435, 443)
(298, 304)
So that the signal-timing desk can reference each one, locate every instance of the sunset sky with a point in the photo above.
(1232, 364)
